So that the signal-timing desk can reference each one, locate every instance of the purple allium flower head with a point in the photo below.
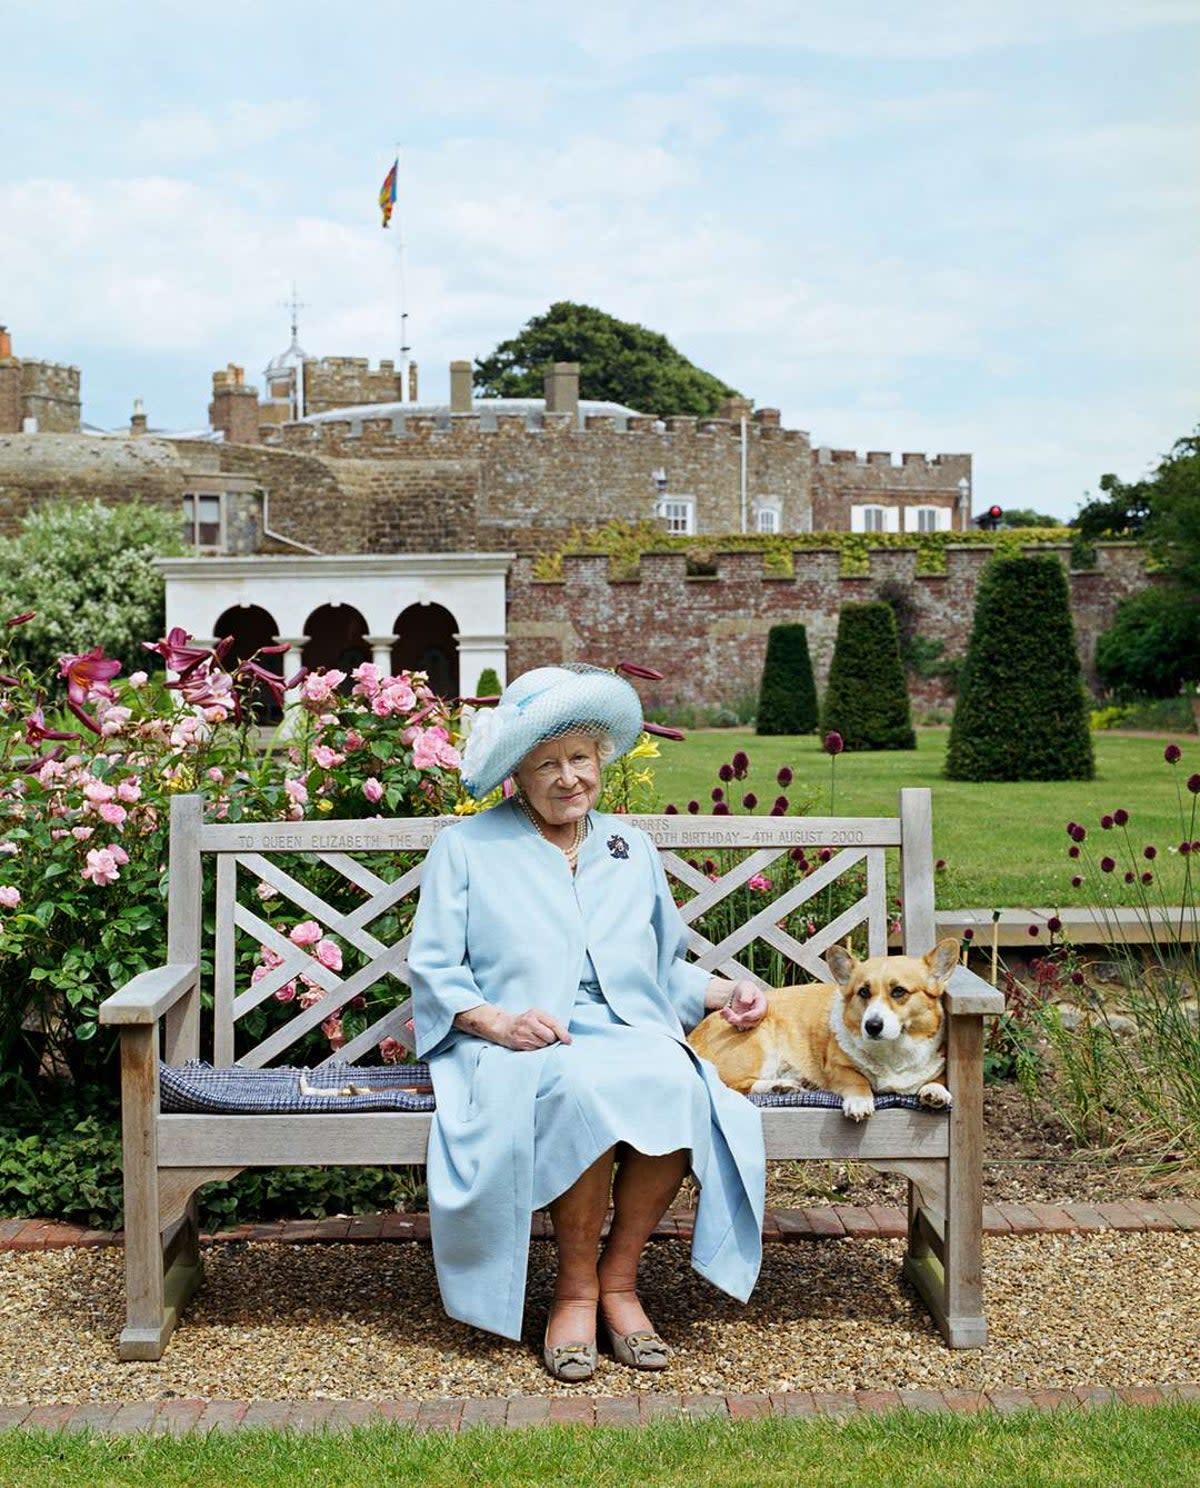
(1072, 851)
(834, 743)
(1150, 853)
(717, 793)
(1054, 924)
(785, 777)
(720, 809)
(693, 808)
(1107, 865)
(1077, 978)
(1185, 848)
(670, 809)
(824, 854)
(1147, 878)
(1193, 784)
(1033, 930)
(1076, 882)
(968, 934)
(1071, 828)
(741, 764)
(749, 800)
(1106, 822)
(725, 773)
(709, 866)
(1172, 754)
(1121, 816)
(1130, 876)
(797, 855)
(940, 865)
(777, 810)
(1077, 832)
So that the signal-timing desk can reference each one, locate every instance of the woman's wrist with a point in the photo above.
(718, 994)
(484, 1021)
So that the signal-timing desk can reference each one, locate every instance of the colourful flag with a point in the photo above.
(387, 193)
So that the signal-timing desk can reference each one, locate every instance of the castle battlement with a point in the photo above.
(915, 464)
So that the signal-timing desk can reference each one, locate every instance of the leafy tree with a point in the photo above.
(866, 701)
(1025, 516)
(1022, 709)
(1153, 645)
(619, 361)
(787, 699)
(86, 570)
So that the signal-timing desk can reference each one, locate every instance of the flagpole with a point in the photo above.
(402, 297)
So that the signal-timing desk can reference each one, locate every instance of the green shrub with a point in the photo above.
(787, 698)
(1153, 645)
(1022, 712)
(866, 701)
(488, 684)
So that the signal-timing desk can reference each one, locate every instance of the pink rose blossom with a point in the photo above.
(333, 1031)
(10, 897)
(327, 758)
(9, 847)
(311, 995)
(81, 834)
(138, 679)
(297, 791)
(319, 687)
(285, 993)
(270, 957)
(372, 790)
(354, 741)
(306, 933)
(102, 868)
(118, 855)
(113, 814)
(328, 953)
(392, 1051)
(758, 882)
(367, 678)
(96, 791)
(264, 890)
(129, 791)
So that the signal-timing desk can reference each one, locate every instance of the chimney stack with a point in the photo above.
(412, 382)
(10, 386)
(562, 388)
(234, 408)
(461, 393)
(137, 424)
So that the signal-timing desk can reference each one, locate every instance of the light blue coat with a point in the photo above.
(501, 919)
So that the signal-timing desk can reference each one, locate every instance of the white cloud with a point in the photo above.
(233, 132)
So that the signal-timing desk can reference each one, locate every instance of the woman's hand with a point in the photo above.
(532, 1029)
(746, 1006)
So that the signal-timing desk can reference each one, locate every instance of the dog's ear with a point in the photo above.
(841, 963)
(942, 960)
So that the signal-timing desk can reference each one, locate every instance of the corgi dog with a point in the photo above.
(879, 1027)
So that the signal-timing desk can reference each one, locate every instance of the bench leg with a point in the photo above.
(146, 1327)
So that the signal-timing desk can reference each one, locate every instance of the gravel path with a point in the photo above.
(294, 1322)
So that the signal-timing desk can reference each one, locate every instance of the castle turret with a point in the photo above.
(234, 408)
(10, 386)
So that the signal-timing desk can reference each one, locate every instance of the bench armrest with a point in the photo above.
(968, 993)
(147, 996)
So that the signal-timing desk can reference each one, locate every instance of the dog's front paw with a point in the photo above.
(936, 1096)
(858, 1107)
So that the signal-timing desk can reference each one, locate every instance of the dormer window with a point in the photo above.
(203, 525)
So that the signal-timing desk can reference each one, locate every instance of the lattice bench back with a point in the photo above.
(359, 881)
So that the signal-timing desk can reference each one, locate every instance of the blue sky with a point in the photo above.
(937, 227)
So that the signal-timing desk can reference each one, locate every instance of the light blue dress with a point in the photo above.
(503, 920)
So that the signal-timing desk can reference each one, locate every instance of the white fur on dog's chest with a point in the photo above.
(899, 1065)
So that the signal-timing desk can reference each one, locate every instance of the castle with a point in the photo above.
(356, 523)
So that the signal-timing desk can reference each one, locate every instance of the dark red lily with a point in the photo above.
(32, 766)
(271, 680)
(88, 675)
(663, 732)
(175, 651)
(36, 730)
(22, 619)
(636, 669)
(7, 681)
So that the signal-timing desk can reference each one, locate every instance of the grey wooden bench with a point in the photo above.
(169, 1156)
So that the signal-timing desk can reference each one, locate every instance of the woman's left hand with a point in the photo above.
(747, 1005)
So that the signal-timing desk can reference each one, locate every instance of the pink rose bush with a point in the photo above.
(89, 762)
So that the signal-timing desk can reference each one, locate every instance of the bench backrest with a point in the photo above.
(368, 871)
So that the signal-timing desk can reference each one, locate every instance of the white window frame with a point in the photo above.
(926, 518)
(192, 521)
(768, 517)
(872, 516)
(677, 514)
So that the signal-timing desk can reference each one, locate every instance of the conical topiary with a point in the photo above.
(866, 701)
(488, 684)
(787, 695)
(1022, 709)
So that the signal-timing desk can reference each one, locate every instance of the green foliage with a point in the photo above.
(1025, 516)
(1022, 710)
(1152, 647)
(619, 361)
(787, 699)
(488, 684)
(866, 700)
(625, 542)
(87, 571)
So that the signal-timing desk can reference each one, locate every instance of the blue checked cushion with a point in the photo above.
(196, 1088)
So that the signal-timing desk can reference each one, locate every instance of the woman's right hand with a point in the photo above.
(532, 1029)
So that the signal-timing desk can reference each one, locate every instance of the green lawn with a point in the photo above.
(1135, 1448)
(1005, 845)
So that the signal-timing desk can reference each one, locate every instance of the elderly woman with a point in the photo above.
(551, 997)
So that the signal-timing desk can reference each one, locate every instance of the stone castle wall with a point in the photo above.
(44, 391)
(348, 382)
(708, 635)
(843, 478)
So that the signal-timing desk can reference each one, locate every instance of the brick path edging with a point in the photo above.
(824, 1221)
(196, 1417)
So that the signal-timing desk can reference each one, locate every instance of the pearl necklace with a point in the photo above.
(582, 828)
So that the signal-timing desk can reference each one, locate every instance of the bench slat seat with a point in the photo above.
(186, 1123)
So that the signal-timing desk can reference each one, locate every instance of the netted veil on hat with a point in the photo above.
(545, 704)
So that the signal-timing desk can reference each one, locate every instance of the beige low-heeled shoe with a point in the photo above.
(570, 1362)
(639, 1350)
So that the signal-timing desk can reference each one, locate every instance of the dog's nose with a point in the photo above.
(873, 1026)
